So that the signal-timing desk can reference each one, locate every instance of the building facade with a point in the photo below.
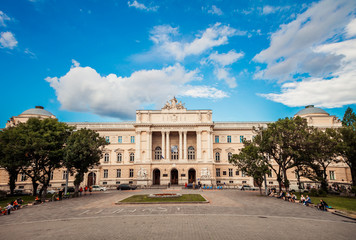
(176, 146)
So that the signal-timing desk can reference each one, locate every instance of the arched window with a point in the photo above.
(217, 157)
(229, 156)
(106, 157)
(158, 153)
(191, 152)
(132, 157)
(119, 157)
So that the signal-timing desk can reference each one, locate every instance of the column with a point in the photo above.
(209, 145)
(168, 147)
(185, 145)
(180, 145)
(163, 144)
(198, 145)
(138, 146)
(148, 147)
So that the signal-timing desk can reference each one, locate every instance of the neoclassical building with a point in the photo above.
(177, 146)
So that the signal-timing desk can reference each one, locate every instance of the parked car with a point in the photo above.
(126, 187)
(248, 187)
(98, 188)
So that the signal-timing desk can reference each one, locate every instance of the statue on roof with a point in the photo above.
(174, 104)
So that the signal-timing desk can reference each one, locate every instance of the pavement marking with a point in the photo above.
(99, 211)
(118, 210)
(85, 212)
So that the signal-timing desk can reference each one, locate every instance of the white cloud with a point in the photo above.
(225, 59)
(216, 35)
(7, 40)
(292, 46)
(83, 89)
(215, 11)
(30, 53)
(223, 74)
(75, 63)
(269, 9)
(329, 59)
(141, 6)
(3, 18)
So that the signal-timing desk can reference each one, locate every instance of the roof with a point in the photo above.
(38, 110)
(310, 109)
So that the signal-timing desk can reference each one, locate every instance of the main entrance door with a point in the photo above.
(174, 176)
(156, 177)
(191, 175)
(91, 179)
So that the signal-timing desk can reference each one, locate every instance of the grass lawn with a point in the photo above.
(26, 199)
(146, 199)
(337, 202)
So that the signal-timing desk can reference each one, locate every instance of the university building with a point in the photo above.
(177, 146)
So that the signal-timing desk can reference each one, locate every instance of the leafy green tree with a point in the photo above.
(83, 150)
(348, 145)
(252, 162)
(11, 155)
(43, 148)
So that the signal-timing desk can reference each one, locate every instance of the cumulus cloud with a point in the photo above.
(215, 10)
(225, 58)
(3, 19)
(316, 55)
(84, 89)
(216, 35)
(7, 40)
(141, 6)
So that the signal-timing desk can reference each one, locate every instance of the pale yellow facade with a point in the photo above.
(177, 146)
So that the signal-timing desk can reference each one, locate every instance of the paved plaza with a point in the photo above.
(231, 214)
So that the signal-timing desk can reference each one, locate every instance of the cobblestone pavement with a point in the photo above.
(231, 214)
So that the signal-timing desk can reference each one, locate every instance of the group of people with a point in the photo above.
(11, 206)
(306, 201)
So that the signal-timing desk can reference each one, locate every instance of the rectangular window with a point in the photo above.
(229, 139)
(118, 173)
(270, 183)
(131, 173)
(106, 173)
(119, 139)
(218, 182)
(216, 139)
(237, 173)
(243, 174)
(132, 139)
(224, 173)
(51, 175)
(231, 181)
(107, 138)
(105, 183)
(241, 139)
(270, 174)
(244, 181)
(117, 182)
(230, 172)
(23, 177)
(65, 174)
(332, 175)
(218, 172)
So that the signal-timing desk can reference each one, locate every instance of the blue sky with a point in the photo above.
(94, 60)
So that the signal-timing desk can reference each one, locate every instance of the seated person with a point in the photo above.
(293, 197)
(38, 200)
(323, 206)
(15, 205)
(281, 195)
(302, 198)
(287, 197)
(307, 201)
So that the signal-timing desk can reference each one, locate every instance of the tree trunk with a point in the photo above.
(285, 180)
(34, 187)
(279, 179)
(12, 181)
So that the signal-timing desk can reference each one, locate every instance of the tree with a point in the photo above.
(11, 157)
(348, 135)
(281, 142)
(43, 149)
(83, 150)
(252, 162)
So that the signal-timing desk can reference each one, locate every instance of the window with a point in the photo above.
(270, 174)
(270, 183)
(106, 157)
(218, 172)
(132, 157)
(119, 139)
(118, 182)
(217, 157)
(107, 139)
(51, 176)
(241, 139)
(132, 139)
(243, 174)
(229, 156)
(130, 182)
(231, 181)
(119, 157)
(216, 139)
(230, 172)
(106, 173)
(244, 181)
(218, 182)
(118, 173)
(65, 174)
(23, 177)
(237, 173)
(131, 173)
(158, 153)
(105, 183)
(191, 152)
(174, 152)
(332, 175)
(224, 173)
(229, 139)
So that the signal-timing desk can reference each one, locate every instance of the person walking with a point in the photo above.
(90, 189)
(80, 191)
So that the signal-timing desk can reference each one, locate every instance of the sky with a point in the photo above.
(100, 61)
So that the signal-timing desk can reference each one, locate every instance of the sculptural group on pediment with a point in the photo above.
(174, 104)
